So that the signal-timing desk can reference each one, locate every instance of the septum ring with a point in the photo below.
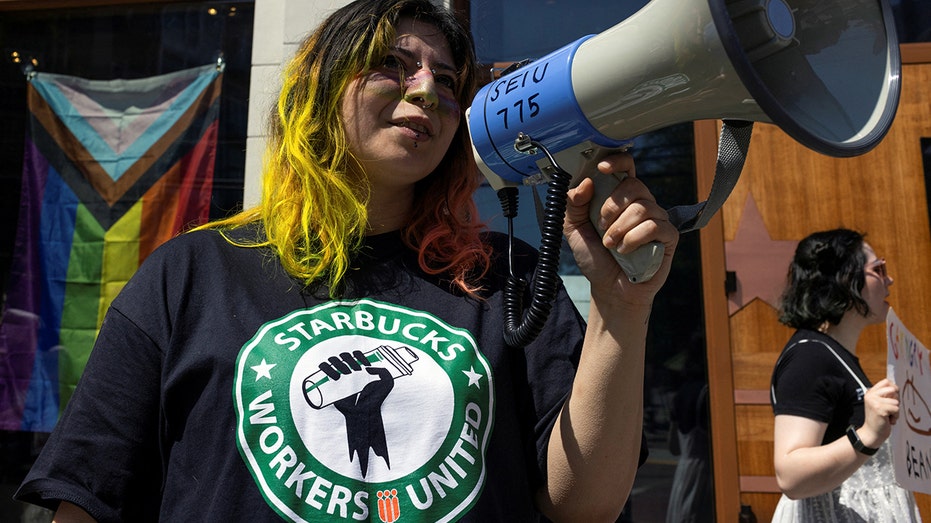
(424, 104)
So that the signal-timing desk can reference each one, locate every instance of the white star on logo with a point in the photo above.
(473, 377)
(263, 370)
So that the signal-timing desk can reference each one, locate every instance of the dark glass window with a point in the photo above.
(912, 20)
(512, 30)
(131, 41)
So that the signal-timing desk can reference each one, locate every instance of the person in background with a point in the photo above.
(336, 353)
(691, 498)
(831, 423)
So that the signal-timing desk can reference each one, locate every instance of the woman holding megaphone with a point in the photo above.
(831, 455)
(337, 353)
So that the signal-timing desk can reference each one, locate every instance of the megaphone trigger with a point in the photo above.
(639, 265)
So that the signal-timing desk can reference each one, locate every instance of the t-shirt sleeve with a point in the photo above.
(103, 453)
(806, 383)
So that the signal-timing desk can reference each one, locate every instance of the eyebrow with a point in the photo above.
(439, 65)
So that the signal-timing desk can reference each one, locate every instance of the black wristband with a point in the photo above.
(857, 444)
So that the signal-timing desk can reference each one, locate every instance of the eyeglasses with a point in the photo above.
(878, 267)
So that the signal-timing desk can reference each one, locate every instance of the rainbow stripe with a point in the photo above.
(111, 170)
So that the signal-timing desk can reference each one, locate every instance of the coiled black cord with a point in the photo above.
(520, 329)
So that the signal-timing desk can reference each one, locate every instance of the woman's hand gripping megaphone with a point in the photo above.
(640, 264)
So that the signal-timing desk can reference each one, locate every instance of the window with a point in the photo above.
(127, 41)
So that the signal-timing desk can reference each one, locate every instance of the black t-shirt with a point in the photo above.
(218, 389)
(816, 378)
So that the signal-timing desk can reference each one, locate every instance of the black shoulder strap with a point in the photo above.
(733, 145)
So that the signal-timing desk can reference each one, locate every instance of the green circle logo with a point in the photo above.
(364, 411)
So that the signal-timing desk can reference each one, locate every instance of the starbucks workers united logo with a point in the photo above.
(364, 411)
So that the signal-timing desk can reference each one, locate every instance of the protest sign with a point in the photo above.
(909, 367)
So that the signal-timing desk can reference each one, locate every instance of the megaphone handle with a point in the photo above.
(641, 264)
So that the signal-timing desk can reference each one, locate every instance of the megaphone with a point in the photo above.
(825, 71)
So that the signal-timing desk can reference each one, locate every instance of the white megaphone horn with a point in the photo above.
(825, 71)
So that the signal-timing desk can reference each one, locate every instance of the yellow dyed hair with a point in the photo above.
(313, 206)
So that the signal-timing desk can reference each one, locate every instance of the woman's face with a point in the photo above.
(401, 117)
(876, 288)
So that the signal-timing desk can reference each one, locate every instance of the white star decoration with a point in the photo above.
(263, 370)
(473, 377)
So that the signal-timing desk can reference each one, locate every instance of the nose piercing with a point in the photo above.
(420, 99)
(419, 65)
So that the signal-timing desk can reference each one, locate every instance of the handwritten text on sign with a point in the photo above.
(909, 366)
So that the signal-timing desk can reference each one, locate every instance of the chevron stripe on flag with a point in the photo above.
(111, 170)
